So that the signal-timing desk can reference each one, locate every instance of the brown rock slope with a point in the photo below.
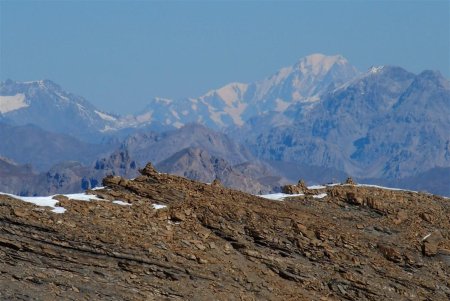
(213, 243)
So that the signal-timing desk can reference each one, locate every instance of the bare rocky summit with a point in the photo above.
(214, 243)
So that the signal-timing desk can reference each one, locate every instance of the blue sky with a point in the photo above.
(119, 54)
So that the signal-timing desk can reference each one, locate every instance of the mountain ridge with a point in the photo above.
(233, 103)
(367, 128)
(385, 123)
(161, 236)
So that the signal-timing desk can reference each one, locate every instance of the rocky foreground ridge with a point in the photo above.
(214, 243)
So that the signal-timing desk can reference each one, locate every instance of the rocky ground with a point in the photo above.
(213, 243)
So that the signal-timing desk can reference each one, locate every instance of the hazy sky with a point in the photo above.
(119, 54)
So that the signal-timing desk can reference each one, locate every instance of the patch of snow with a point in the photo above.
(375, 69)
(122, 203)
(236, 112)
(158, 206)
(319, 63)
(173, 223)
(266, 84)
(309, 106)
(42, 84)
(82, 197)
(216, 116)
(311, 100)
(383, 187)
(44, 201)
(316, 187)
(282, 74)
(178, 124)
(59, 210)
(232, 92)
(39, 82)
(105, 116)
(62, 96)
(174, 113)
(82, 109)
(49, 201)
(162, 100)
(98, 188)
(108, 128)
(278, 196)
(320, 196)
(281, 105)
(145, 117)
(12, 103)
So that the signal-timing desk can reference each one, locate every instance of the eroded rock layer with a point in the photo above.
(213, 243)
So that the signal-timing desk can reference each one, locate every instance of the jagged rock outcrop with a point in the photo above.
(350, 181)
(210, 242)
(295, 189)
(149, 170)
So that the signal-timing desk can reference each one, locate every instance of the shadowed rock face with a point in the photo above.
(148, 146)
(15, 177)
(29, 144)
(213, 243)
(387, 124)
(193, 163)
(198, 164)
(66, 177)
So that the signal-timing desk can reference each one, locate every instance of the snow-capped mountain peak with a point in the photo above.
(318, 63)
(230, 105)
(47, 105)
(229, 93)
(234, 103)
(375, 69)
(9, 103)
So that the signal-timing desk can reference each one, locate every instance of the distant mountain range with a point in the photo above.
(320, 119)
(31, 144)
(45, 104)
(192, 151)
(234, 104)
(386, 123)
(69, 176)
(198, 164)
